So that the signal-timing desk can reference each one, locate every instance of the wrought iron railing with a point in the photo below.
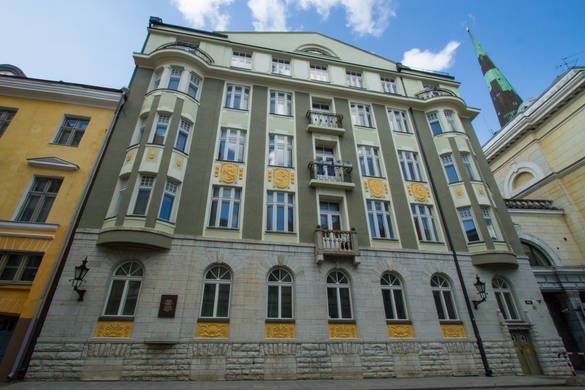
(429, 93)
(535, 204)
(325, 119)
(189, 48)
(332, 171)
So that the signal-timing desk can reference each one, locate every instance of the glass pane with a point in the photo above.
(141, 201)
(335, 222)
(286, 296)
(387, 304)
(115, 296)
(45, 208)
(223, 300)
(400, 308)
(208, 300)
(438, 305)
(280, 218)
(235, 213)
(290, 219)
(131, 298)
(166, 207)
(272, 301)
(501, 305)
(225, 213)
(29, 208)
(332, 302)
(54, 186)
(212, 213)
(181, 142)
(381, 228)
(345, 304)
(76, 138)
(511, 306)
(449, 304)
(269, 225)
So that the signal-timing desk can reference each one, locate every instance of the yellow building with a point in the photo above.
(538, 161)
(52, 135)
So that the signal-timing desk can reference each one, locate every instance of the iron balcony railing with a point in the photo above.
(335, 243)
(189, 48)
(429, 93)
(331, 171)
(325, 119)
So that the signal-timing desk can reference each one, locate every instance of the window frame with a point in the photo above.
(434, 118)
(469, 166)
(216, 282)
(184, 129)
(140, 185)
(367, 154)
(389, 85)
(6, 116)
(42, 195)
(410, 166)
(241, 59)
(319, 72)
(337, 286)
(170, 191)
(505, 299)
(361, 115)
(175, 76)
(391, 282)
(74, 130)
(452, 121)
(237, 90)
(231, 137)
(194, 85)
(399, 125)
(234, 202)
(281, 66)
(124, 296)
(121, 188)
(280, 283)
(374, 215)
(419, 224)
(280, 145)
(489, 222)
(158, 124)
(468, 224)
(443, 293)
(281, 103)
(272, 211)
(449, 166)
(24, 264)
(354, 78)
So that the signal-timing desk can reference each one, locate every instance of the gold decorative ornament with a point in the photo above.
(151, 154)
(281, 178)
(229, 172)
(241, 174)
(400, 331)
(453, 331)
(292, 178)
(279, 330)
(179, 161)
(365, 185)
(114, 329)
(376, 187)
(269, 178)
(386, 188)
(129, 156)
(342, 331)
(459, 191)
(216, 172)
(420, 192)
(409, 188)
(214, 330)
(480, 190)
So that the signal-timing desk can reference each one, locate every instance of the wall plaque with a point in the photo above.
(168, 305)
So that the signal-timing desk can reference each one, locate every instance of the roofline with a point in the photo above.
(152, 24)
(96, 87)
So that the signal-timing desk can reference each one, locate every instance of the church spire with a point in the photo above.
(506, 100)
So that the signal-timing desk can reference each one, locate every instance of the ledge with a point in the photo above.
(135, 237)
(280, 320)
(494, 258)
(331, 184)
(325, 130)
(213, 319)
(116, 318)
(48, 227)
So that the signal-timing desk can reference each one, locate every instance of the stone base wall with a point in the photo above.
(272, 360)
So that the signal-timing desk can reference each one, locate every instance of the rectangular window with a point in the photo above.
(280, 150)
(231, 145)
(160, 131)
(280, 211)
(434, 122)
(451, 120)
(175, 78)
(360, 115)
(168, 199)
(140, 126)
(193, 88)
(424, 222)
(369, 161)
(242, 59)
(6, 116)
(183, 135)
(379, 218)
(398, 120)
(122, 187)
(71, 131)
(321, 107)
(319, 72)
(468, 164)
(20, 267)
(468, 224)
(156, 79)
(354, 79)
(449, 167)
(237, 96)
(225, 207)
(280, 103)
(389, 85)
(281, 66)
(487, 217)
(409, 165)
(143, 195)
(39, 200)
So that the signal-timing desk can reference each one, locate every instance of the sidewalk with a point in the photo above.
(325, 384)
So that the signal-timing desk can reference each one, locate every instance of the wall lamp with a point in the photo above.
(480, 287)
(80, 272)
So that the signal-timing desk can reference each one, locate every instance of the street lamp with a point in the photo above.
(480, 287)
(80, 272)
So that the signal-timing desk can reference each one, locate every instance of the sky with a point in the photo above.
(92, 42)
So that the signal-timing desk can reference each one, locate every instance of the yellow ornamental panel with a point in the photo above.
(129, 156)
(179, 161)
(453, 331)
(279, 330)
(281, 178)
(365, 185)
(114, 329)
(152, 154)
(241, 174)
(216, 171)
(459, 192)
(400, 330)
(292, 178)
(214, 330)
(385, 188)
(420, 192)
(269, 175)
(342, 331)
(376, 187)
(229, 172)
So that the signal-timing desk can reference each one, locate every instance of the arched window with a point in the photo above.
(124, 289)
(280, 294)
(338, 296)
(536, 257)
(216, 292)
(443, 298)
(393, 297)
(505, 299)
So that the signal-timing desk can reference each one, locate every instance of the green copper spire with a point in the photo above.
(506, 100)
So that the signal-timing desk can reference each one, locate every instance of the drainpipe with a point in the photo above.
(27, 346)
(486, 366)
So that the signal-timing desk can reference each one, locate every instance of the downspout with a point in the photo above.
(486, 366)
(26, 348)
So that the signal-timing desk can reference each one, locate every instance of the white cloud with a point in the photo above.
(428, 60)
(365, 17)
(204, 13)
(269, 15)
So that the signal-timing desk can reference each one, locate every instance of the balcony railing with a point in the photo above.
(534, 204)
(189, 48)
(332, 172)
(324, 119)
(429, 93)
(335, 243)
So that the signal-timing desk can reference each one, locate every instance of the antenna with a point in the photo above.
(569, 61)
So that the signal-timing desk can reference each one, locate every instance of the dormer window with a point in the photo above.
(315, 50)
(242, 59)
(319, 72)
(354, 79)
(281, 66)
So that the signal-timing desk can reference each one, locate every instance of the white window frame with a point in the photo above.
(185, 130)
(339, 281)
(171, 190)
(361, 115)
(449, 164)
(288, 207)
(441, 288)
(281, 66)
(43, 195)
(232, 138)
(489, 221)
(376, 209)
(280, 279)
(134, 274)
(139, 131)
(392, 283)
(121, 189)
(466, 217)
(162, 120)
(25, 263)
(399, 120)
(241, 59)
(280, 150)
(505, 299)
(409, 165)
(389, 85)
(367, 154)
(241, 91)
(452, 121)
(144, 182)
(354, 79)
(231, 195)
(469, 166)
(318, 72)
(433, 117)
(194, 83)
(176, 74)
(280, 103)
(422, 213)
(215, 276)
(156, 78)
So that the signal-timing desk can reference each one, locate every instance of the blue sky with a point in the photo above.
(92, 42)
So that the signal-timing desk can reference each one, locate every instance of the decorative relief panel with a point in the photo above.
(151, 154)
(342, 331)
(292, 178)
(216, 171)
(279, 330)
(229, 172)
(419, 191)
(459, 192)
(281, 178)
(179, 161)
(366, 186)
(376, 187)
(129, 156)
(212, 330)
(269, 176)
(114, 329)
(400, 330)
(453, 331)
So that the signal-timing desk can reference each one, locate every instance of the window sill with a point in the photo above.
(241, 67)
(403, 132)
(16, 284)
(280, 320)
(230, 161)
(358, 87)
(71, 146)
(405, 322)
(135, 215)
(431, 242)
(48, 227)
(223, 228)
(281, 74)
(416, 181)
(451, 322)
(341, 321)
(185, 154)
(236, 109)
(166, 221)
(455, 182)
(281, 115)
(116, 318)
(153, 144)
(279, 232)
(280, 166)
(320, 81)
(374, 177)
(213, 319)
(385, 239)
(365, 127)
(478, 242)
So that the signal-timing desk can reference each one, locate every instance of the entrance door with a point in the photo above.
(330, 217)
(325, 170)
(7, 325)
(526, 353)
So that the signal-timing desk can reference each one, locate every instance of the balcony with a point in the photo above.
(189, 48)
(429, 93)
(333, 244)
(325, 123)
(331, 174)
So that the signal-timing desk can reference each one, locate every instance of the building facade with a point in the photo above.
(538, 163)
(51, 137)
(284, 205)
